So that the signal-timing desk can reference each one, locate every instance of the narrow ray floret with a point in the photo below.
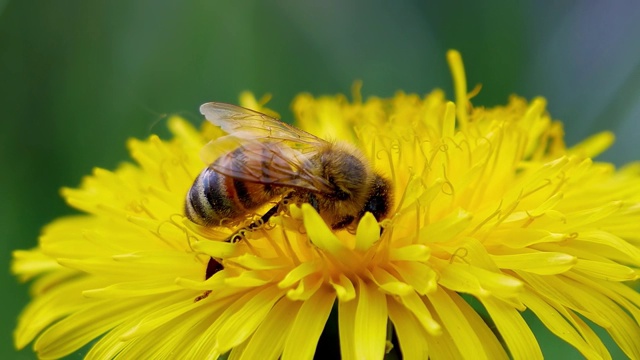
(419, 222)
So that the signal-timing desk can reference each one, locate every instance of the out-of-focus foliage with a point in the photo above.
(79, 77)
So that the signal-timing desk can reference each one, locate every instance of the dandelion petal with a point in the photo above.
(307, 327)
(370, 322)
(514, 330)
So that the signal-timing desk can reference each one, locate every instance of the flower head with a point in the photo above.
(489, 204)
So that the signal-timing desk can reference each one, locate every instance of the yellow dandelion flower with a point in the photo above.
(489, 204)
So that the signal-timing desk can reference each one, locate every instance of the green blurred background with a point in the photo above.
(80, 77)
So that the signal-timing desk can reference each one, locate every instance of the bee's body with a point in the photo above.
(216, 199)
(273, 160)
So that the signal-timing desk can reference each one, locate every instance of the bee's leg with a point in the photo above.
(264, 218)
(237, 236)
(213, 266)
(274, 210)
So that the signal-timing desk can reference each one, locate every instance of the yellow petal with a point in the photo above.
(76, 330)
(594, 145)
(344, 288)
(306, 329)
(492, 346)
(29, 263)
(370, 322)
(390, 284)
(411, 335)
(347, 329)
(49, 307)
(368, 232)
(543, 263)
(248, 279)
(154, 319)
(606, 270)
(414, 304)
(306, 288)
(298, 273)
(420, 276)
(114, 342)
(445, 229)
(133, 288)
(251, 261)
(557, 324)
(216, 249)
(480, 282)
(622, 328)
(154, 265)
(463, 334)
(416, 252)
(321, 236)
(241, 319)
(162, 340)
(268, 340)
(612, 241)
(514, 330)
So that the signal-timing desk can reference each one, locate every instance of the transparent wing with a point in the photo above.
(248, 124)
(269, 163)
(219, 147)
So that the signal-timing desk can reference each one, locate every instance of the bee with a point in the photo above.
(264, 160)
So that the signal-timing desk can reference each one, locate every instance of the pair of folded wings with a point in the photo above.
(287, 151)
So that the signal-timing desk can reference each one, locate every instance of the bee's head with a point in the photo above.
(379, 200)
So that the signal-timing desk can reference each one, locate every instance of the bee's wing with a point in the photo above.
(280, 153)
(269, 163)
(219, 147)
(248, 124)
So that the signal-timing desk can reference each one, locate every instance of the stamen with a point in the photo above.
(390, 159)
(273, 243)
(408, 186)
(238, 236)
(530, 219)
(460, 253)
(395, 146)
(416, 239)
(504, 215)
(487, 219)
(447, 187)
(460, 86)
(530, 192)
(449, 121)
(169, 239)
(139, 207)
(386, 223)
(248, 243)
(183, 160)
(288, 247)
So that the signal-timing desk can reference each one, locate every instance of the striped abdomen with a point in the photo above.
(215, 199)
